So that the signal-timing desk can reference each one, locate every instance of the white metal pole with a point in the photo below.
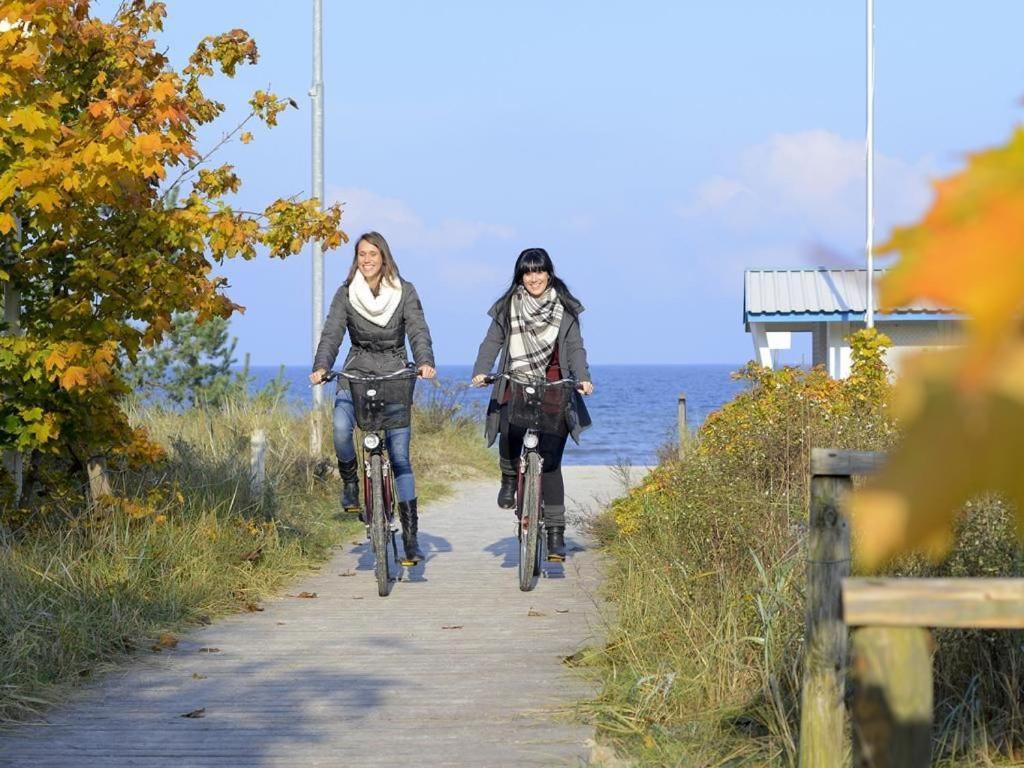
(870, 152)
(317, 95)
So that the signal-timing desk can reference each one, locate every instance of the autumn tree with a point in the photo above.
(96, 129)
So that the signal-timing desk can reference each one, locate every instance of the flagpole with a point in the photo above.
(870, 161)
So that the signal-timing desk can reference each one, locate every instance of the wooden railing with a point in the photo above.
(890, 657)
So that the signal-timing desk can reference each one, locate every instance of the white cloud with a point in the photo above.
(815, 181)
(406, 229)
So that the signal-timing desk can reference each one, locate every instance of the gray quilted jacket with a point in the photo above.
(375, 349)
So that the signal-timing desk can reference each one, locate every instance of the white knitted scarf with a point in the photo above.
(377, 309)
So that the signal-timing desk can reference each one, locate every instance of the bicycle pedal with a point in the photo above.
(556, 558)
(353, 510)
(409, 563)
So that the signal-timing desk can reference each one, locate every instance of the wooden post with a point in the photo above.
(684, 432)
(99, 482)
(891, 669)
(315, 434)
(828, 561)
(257, 463)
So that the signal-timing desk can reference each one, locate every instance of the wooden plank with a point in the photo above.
(313, 681)
(891, 669)
(828, 562)
(829, 461)
(907, 602)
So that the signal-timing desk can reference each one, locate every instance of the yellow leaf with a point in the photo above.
(45, 198)
(29, 118)
(164, 90)
(6, 223)
(246, 137)
(74, 376)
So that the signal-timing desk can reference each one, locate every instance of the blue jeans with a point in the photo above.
(397, 441)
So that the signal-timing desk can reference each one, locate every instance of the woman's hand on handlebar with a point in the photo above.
(427, 372)
(480, 380)
(317, 376)
(586, 387)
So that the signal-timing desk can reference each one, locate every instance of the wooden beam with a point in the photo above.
(836, 463)
(979, 603)
(891, 714)
(822, 713)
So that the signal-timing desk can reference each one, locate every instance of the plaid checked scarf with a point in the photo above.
(533, 332)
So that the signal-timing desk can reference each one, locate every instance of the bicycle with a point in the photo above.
(537, 406)
(381, 403)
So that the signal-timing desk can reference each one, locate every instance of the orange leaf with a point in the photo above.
(74, 376)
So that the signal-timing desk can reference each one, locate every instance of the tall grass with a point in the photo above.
(184, 541)
(706, 570)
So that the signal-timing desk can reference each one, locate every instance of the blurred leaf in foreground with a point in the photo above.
(961, 411)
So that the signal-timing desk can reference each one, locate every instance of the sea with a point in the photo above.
(634, 407)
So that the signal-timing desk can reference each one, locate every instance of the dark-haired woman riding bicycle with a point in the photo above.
(535, 334)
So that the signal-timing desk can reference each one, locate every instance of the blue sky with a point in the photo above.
(656, 149)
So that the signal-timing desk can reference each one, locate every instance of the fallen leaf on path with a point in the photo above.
(196, 713)
(281, 623)
(197, 676)
(253, 607)
(357, 597)
(533, 612)
(348, 573)
(306, 595)
(452, 626)
(166, 640)
(209, 650)
(561, 610)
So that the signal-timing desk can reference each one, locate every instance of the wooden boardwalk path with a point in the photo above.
(456, 668)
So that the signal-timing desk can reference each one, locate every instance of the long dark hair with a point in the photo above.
(537, 260)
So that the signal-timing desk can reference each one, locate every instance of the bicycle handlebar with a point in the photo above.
(492, 377)
(402, 373)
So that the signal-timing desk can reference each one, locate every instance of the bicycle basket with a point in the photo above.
(382, 403)
(539, 405)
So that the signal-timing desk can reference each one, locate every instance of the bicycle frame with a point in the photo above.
(378, 502)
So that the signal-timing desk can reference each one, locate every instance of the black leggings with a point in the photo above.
(510, 444)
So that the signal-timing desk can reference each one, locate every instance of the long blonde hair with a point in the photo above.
(388, 268)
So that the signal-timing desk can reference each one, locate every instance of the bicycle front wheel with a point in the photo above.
(379, 527)
(529, 524)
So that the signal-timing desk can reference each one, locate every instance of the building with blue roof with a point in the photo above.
(831, 304)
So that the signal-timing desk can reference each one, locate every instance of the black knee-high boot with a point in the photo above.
(349, 485)
(410, 527)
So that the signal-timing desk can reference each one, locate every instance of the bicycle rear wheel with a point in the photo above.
(529, 524)
(379, 527)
